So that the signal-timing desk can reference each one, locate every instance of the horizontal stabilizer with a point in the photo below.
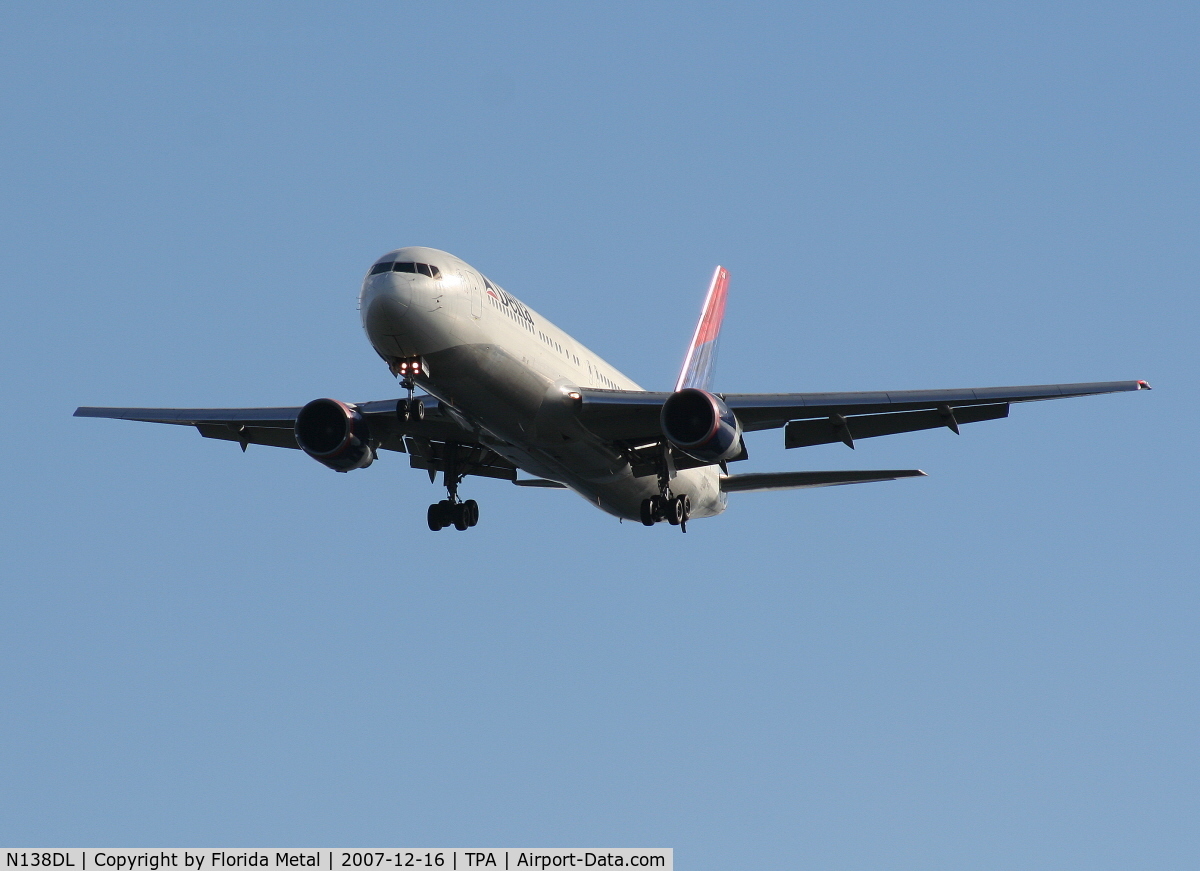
(540, 482)
(798, 480)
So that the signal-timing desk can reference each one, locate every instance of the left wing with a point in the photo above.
(817, 418)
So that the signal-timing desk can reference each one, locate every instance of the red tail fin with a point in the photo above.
(701, 357)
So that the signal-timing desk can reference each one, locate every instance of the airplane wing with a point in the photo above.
(819, 418)
(256, 426)
(433, 443)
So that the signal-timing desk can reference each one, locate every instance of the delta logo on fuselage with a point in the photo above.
(502, 296)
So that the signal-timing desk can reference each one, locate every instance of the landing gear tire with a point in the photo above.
(674, 511)
(471, 508)
(410, 410)
(441, 514)
(434, 517)
(648, 518)
(460, 517)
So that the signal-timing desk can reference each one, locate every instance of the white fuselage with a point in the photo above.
(507, 372)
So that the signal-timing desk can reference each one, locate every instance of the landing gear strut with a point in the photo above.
(674, 509)
(450, 511)
(460, 515)
(407, 369)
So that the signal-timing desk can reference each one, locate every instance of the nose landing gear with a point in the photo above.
(410, 410)
(408, 369)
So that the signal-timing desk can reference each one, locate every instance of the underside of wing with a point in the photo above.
(766, 411)
(437, 443)
(248, 426)
(275, 426)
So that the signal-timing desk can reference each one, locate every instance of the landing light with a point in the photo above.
(409, 366)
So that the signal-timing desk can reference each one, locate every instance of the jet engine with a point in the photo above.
(335, 434)
(701, 425)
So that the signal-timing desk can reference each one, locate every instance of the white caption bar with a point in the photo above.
(341, 859)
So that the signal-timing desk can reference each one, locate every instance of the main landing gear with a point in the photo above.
(460, 515)
(674, 509)
(450, 511)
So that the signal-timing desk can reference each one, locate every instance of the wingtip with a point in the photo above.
(1143, 385)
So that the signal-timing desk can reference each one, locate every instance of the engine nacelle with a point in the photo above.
(335, 434)
(701, 425)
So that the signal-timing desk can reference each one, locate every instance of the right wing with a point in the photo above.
(249, 426)
(433, 444)
(274, 426)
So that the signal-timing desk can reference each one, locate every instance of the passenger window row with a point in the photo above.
(421, 268)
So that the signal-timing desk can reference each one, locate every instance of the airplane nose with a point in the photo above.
(385, 302)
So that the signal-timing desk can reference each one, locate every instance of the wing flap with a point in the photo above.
(272, 436)
(804, 433)
(461, 459)
(756, 481)
(766, 411)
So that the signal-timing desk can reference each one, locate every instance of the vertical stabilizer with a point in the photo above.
(701, 357)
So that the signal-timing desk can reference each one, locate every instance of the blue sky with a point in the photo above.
(992, 667)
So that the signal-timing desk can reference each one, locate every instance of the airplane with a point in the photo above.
(504, 390)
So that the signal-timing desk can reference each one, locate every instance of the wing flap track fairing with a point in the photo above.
(804, 433)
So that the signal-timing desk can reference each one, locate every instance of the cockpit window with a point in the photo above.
(414, 268)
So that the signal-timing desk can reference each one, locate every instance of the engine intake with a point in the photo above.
(701, 425)
(335, 434)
